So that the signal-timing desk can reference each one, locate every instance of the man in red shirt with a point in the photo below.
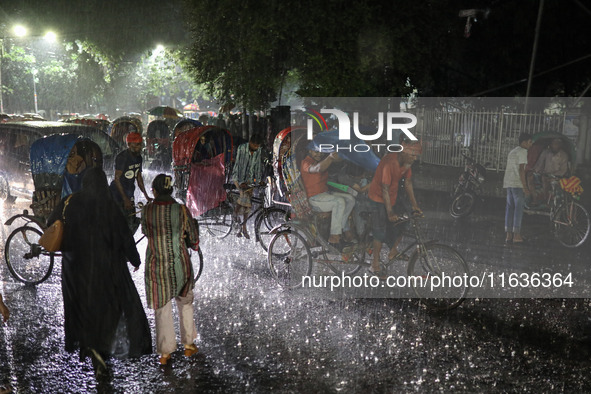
(314, 170)
(393, 170)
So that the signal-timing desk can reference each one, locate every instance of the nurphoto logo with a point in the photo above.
(393, 121)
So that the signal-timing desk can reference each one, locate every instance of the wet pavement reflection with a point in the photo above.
(256, 337)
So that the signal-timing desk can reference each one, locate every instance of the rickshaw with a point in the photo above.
(56, 174)
(281, 146)
(158, 145)
(16, 139)
(101, 124)
(202, 159)
(123, 126)
(299, 243)
(184, 125)
(570, 221)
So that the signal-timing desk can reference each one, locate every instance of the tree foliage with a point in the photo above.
(394, 48)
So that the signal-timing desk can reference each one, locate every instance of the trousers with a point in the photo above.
(339, 204)
(165, 334)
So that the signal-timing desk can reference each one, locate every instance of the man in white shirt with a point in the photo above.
(516, 184)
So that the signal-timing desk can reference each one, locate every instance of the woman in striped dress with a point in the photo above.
(169, 227)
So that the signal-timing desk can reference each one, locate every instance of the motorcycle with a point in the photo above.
(468, 188)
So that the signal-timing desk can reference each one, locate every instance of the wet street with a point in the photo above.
(257, 337)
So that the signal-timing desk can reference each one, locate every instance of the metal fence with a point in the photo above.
(488, 137)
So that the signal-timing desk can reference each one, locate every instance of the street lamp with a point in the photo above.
(50, 36)
(20, 31)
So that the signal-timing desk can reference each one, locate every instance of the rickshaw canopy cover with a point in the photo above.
(49, 155)
(365, 159)
(184, 144)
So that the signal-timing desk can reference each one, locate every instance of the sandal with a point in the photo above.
(98, 363)
(164, 359)
(190, 350)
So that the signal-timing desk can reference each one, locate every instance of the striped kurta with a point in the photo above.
(169, 271)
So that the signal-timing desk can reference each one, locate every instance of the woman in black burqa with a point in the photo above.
(102, 309)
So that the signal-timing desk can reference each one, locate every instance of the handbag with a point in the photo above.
(52, 237)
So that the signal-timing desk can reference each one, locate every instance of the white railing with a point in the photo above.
(488, 136)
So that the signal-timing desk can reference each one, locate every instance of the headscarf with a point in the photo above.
(95, 185)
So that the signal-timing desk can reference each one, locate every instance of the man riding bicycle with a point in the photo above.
(393, 170)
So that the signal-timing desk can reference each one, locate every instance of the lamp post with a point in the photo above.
(19, 31)
(35, 88)
(1, 56)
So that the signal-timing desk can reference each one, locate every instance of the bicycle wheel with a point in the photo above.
(427, 268)
(266, 221)
(197, 265)
(462, 205)
(219, 223)
(571, 224)
(25, 258)
(289, 258)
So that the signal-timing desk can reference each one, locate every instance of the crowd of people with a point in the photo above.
(103, 313)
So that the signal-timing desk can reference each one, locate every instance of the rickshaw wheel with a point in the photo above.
(25, 258)
(266, 221)
(220, 224)
(198, 266)
(571, 224)
(289, 258)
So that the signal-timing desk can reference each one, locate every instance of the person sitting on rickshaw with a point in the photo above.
(359, 180)
(85, 154)
(128, 169)
(203, 149)
(248, 169)
(552, 161)
(314, 170)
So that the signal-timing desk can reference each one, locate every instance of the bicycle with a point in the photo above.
(570, 220)
(267, 216)
(26, 260)
(29, 263)
(296, 246)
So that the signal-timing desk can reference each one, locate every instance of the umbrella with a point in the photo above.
(191, 107)
(165, 111)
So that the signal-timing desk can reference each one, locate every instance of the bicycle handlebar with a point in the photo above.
(468, 158)
(414, 215)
